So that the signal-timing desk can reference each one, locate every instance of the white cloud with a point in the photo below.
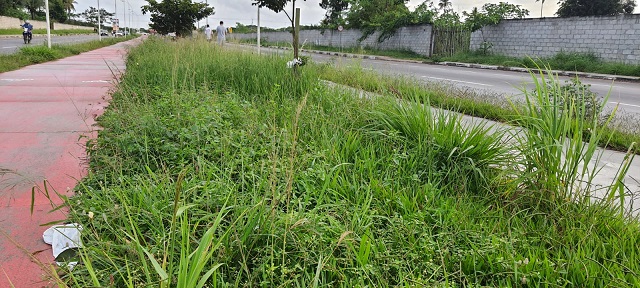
(232, 11)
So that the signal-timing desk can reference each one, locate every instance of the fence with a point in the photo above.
(449, 41)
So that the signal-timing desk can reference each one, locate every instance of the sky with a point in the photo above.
(233, 11)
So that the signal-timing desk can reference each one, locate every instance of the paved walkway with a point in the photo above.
(44, 111)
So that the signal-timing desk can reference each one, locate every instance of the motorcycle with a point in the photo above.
(27, 35)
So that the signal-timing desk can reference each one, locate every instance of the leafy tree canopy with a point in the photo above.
(492, 14)
(91, 15)
(335, 12)
(571, 8)
(176, 16)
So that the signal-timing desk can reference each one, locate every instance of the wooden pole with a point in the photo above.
(296, 36)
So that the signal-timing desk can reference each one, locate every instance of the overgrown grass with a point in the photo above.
(399, 54)
(565, 61)
(216, 168)
(34, 54)
(620, 134)
(18, 31)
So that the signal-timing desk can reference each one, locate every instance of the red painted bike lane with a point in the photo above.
(45, 110)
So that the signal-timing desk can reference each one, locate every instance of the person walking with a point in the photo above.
(207, 32)
(222, 33)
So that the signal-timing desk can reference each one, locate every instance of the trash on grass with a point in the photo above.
(65, 241)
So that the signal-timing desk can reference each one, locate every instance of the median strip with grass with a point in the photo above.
(18, 31)
(34, 54)
(218, 168)
(563, 61)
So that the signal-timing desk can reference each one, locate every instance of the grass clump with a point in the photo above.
(34, 54)
(216, 168)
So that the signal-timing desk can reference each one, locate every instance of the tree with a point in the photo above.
(444, 5)
(91, 15)
(367, 14)
(335, 9)
(33, 6)
(176, 16)
(541, 6)
(492, 14)
(278, 6)
(57, 11)
(69, 6)
(571, 8)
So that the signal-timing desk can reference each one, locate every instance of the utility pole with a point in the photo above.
(46, 8)
(99, 24)
(258, 30)
(124, 18)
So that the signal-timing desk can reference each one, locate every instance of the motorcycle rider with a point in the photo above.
(26, 33)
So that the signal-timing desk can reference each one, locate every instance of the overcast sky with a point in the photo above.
(232, 11)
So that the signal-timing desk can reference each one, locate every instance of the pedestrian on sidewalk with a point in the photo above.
(207, 32)
(222, 33)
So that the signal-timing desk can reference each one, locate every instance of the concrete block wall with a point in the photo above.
(10, 22)
(612, 38)
(413, 38)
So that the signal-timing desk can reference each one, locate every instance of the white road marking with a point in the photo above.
(445, 79)
(625, 104)
(96, 81)
(15, 80)
(8, 47)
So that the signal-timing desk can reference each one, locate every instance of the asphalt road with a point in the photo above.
(12, 44)
(507, 83)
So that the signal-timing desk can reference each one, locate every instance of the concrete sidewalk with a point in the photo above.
(45, 110)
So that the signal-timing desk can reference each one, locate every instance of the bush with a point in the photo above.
(40, 54)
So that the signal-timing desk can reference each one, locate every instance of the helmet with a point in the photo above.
(26, 21)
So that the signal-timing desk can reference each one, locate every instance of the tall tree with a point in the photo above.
(176, 16)
(570, 8)
(334, 14)
(33, 6)
(444, 5)
(374, 13)
(69, 6)
(57, 11)
(278, 6)
(541, 6)
(91, 15)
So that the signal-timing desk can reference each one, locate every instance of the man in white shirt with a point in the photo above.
(207, 32)
(222, 33)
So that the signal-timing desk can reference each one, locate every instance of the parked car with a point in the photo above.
(118, 33)
(104, 33)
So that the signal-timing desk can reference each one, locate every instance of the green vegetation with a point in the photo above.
(581, 62)
(18, 31)
(215, 168)
(34, 54)
(621, 134)
(399, 54)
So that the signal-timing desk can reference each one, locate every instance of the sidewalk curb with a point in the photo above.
(475, 66)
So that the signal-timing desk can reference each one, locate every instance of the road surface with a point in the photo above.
(12, 44)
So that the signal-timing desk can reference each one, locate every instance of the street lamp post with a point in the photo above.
(46, 8)
(258, 30)
(124, 18)
(99, 24)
